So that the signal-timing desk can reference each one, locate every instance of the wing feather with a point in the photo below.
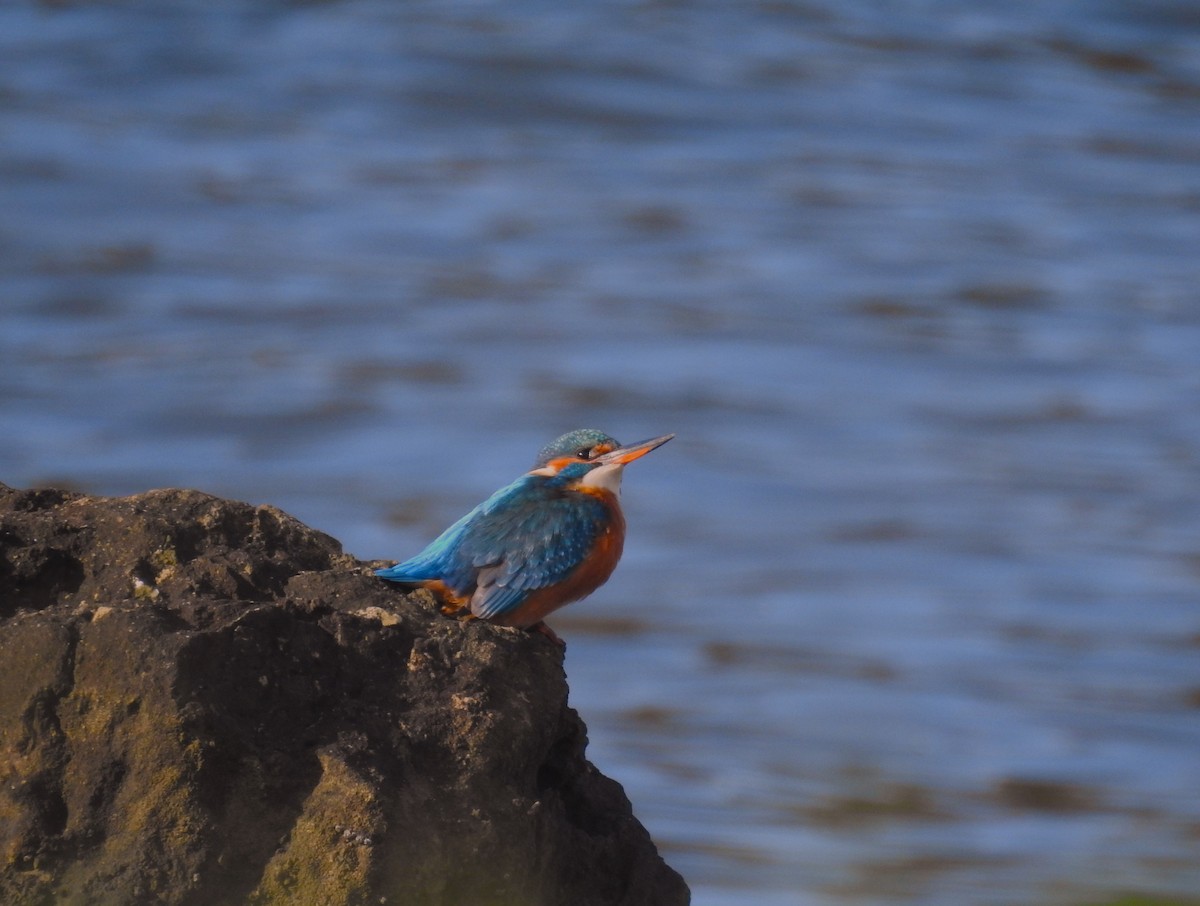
(537, 539)
(526, 536)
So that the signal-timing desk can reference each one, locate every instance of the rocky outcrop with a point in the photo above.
(206, 702)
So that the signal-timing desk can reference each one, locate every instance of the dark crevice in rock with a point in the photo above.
(35, 576)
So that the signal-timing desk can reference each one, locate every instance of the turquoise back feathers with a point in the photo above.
(548, 538)
(528, 535)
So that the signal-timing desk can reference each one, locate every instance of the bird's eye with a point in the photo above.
(584, 454)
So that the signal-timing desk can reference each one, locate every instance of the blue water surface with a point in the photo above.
(910, 609)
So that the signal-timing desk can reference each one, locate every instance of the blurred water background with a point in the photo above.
(910, 610)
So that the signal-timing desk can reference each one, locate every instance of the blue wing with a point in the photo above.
(526, 536)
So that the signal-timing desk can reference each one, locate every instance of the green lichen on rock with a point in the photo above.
(275, 726)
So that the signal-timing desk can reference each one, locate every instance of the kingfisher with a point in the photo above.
(551, 537)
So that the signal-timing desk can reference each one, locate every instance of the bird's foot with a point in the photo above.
(548, 633)
(452, 605)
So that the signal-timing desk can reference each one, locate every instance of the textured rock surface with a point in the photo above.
(205, 702)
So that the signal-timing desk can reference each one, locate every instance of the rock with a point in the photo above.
(206, 702)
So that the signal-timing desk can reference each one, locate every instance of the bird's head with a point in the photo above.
(588, 458)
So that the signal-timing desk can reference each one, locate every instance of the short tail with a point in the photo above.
(415, 570)
(396, 574)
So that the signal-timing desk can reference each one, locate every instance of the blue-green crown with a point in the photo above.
(571, 443)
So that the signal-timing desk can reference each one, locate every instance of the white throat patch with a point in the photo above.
(606, 477)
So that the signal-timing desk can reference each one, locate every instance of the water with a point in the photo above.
(909, 609)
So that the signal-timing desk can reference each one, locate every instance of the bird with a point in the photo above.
(549, 538)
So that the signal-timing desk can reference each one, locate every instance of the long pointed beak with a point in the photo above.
(628, 454)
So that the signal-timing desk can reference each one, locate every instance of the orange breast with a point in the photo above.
(585, 579)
